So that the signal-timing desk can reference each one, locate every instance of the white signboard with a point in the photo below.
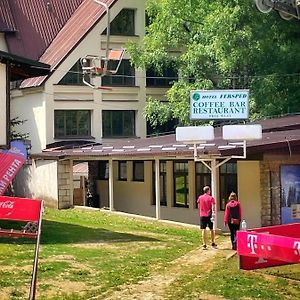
(219, 104)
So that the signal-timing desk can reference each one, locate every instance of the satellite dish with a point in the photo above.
(262, 7)
(285, 16)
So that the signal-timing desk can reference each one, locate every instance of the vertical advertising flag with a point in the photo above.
(10, 163)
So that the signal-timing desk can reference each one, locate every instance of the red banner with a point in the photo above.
(10, 163)
(19, 209)
(269, 246)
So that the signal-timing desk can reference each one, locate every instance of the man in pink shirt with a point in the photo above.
(206, 205)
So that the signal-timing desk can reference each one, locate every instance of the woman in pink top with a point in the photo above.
(232, 217)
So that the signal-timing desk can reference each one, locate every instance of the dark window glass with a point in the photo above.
(228, 182)
(122, 167)
(162, 181)
(181, 184)
(168, 127)
(72, 123)
(103, 170)
(138, 171)
(123, 23)
(118, 123)
(203, 178)
(164, 79)
(74, 76)
(124, 77)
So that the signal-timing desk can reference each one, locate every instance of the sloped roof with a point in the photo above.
(7, 22)
(34, 24)
(75, 29)
(285, 141)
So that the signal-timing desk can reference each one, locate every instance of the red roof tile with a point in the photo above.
(7, 22)
(37, 23)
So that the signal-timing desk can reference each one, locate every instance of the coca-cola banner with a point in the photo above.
(20, 209)
(10, 163)
(269, 246)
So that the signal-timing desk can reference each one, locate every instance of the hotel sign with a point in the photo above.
(219, 104)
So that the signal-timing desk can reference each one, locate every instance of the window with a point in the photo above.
(203, 178)
(74, 76)
(138, 171)
(118, 123)
(72, 123)
(122, 170)
(166, 79)
(123, 23)
(162, 182)
(103, 170)
(228, 182)
(181, 184)
(124, 77)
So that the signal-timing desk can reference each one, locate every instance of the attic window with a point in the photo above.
(74, 76)
(123, 23)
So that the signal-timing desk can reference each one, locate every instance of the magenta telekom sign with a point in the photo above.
(269, 246)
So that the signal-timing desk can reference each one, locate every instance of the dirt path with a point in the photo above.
(153, 287)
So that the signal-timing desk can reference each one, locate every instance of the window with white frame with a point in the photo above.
(118, 123)
(124, 77)
(72, 123)
(74, 76)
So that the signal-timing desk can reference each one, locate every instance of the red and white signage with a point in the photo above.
(28, 210)
(11, 162)
(19, 209)
(269, 246)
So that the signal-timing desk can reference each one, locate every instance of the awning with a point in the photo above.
(22, 68)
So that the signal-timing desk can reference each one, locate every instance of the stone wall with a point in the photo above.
(65, 184)
(271, 190)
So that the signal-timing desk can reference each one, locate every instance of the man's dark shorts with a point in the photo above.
(205, 221)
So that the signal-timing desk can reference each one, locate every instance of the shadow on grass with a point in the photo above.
(62, 233)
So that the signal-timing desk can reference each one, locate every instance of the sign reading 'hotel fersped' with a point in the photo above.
(219, 104)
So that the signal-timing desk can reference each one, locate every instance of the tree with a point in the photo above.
(14, 134)
(222, 44)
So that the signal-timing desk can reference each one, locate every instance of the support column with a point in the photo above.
(157, 189)
(214, 183)
(111, 185)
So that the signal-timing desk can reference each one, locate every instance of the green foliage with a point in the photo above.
(222, 44)
(14, 133)
(98, 252)
(226, 280)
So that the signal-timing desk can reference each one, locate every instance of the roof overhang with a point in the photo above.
(23, 68)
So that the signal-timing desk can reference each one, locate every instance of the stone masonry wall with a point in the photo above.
(65, 184)
(271, 190)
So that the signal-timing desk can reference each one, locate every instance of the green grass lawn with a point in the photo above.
(89, 253)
